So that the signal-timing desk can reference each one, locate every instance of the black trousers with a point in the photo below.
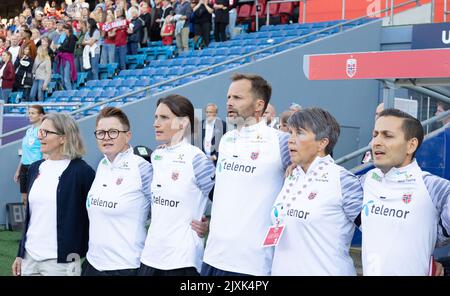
(89, 270)
(145, 270)
(219, 32)
(203, 30)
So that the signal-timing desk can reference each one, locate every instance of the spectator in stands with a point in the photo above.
(221, 20)
(42, 72)
(7, 76)
(31, 149)
(2, 44)
(322, 234)
(134, 31)
(116, 238)
(145, 16)
(109, 46)
(252, 160)
(167, 31)
(79, 47)
(65, 59)
(45, 43)
(155, 13)
(180, 163)
(166, 10)
(233, 17)
(440, 108)
(36, 37)
(284, 117)
(120, 28)
(91, 51)
(270, 116)
(14, 48)
(26, 41)
(24, 73)
(55, 235)
(203, 12)
(213, 129)
(182, 13)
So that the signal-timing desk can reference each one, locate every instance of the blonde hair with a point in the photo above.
(42, 53)
(66, 126)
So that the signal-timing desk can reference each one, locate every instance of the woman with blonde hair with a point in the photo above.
(42, 72)
(56, 228)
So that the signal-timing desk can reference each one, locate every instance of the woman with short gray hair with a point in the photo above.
(319, 203)
(56, 227)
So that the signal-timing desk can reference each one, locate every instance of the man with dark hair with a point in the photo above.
(406, 211)
(250, 173)
(441, 107)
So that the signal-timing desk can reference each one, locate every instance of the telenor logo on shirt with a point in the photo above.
(370, 208)
(235, 167)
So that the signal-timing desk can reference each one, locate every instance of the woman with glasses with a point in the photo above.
(183, 177)
(55, 234)
(118, 202)
(31, 149)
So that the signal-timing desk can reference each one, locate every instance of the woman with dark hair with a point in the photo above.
(7, 76)
(65, 59)
(31, 149)
(319, 204)
(55, 235)
(91, 51)
(182, 179)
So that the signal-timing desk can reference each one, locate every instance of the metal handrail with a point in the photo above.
(364, 149)
(43, 104)
(268, 48)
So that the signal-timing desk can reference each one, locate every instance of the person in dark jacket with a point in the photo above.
(7, 76)
(56, 229)
(24, 73)
(134, 31)
(221, 20)
(203, 12)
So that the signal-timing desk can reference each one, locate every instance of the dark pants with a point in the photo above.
(208, 270)
(203, 30)
(89, 270)
(145, 270)
(23, 178)
(219, 32)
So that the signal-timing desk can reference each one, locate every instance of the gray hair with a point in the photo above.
(318, 121)
(66, 126)
(212, 105)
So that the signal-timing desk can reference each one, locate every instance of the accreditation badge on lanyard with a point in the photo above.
(273, 235)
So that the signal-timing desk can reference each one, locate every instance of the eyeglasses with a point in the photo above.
(112, 134)
(44, 133)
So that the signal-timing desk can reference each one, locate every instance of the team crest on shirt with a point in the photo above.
(175, 175)
(254, 155)
(124, 166)
(312, 195)
(323, 178)
(119, 181)
(406, 178)
(179, 158)
(407, 198)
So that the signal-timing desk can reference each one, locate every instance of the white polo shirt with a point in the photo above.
(404, 214)
(182, 179)
(318, 209)
(118, 205)
(249, 176)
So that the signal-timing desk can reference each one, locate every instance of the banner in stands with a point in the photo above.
(431, 36)
(423, 63)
